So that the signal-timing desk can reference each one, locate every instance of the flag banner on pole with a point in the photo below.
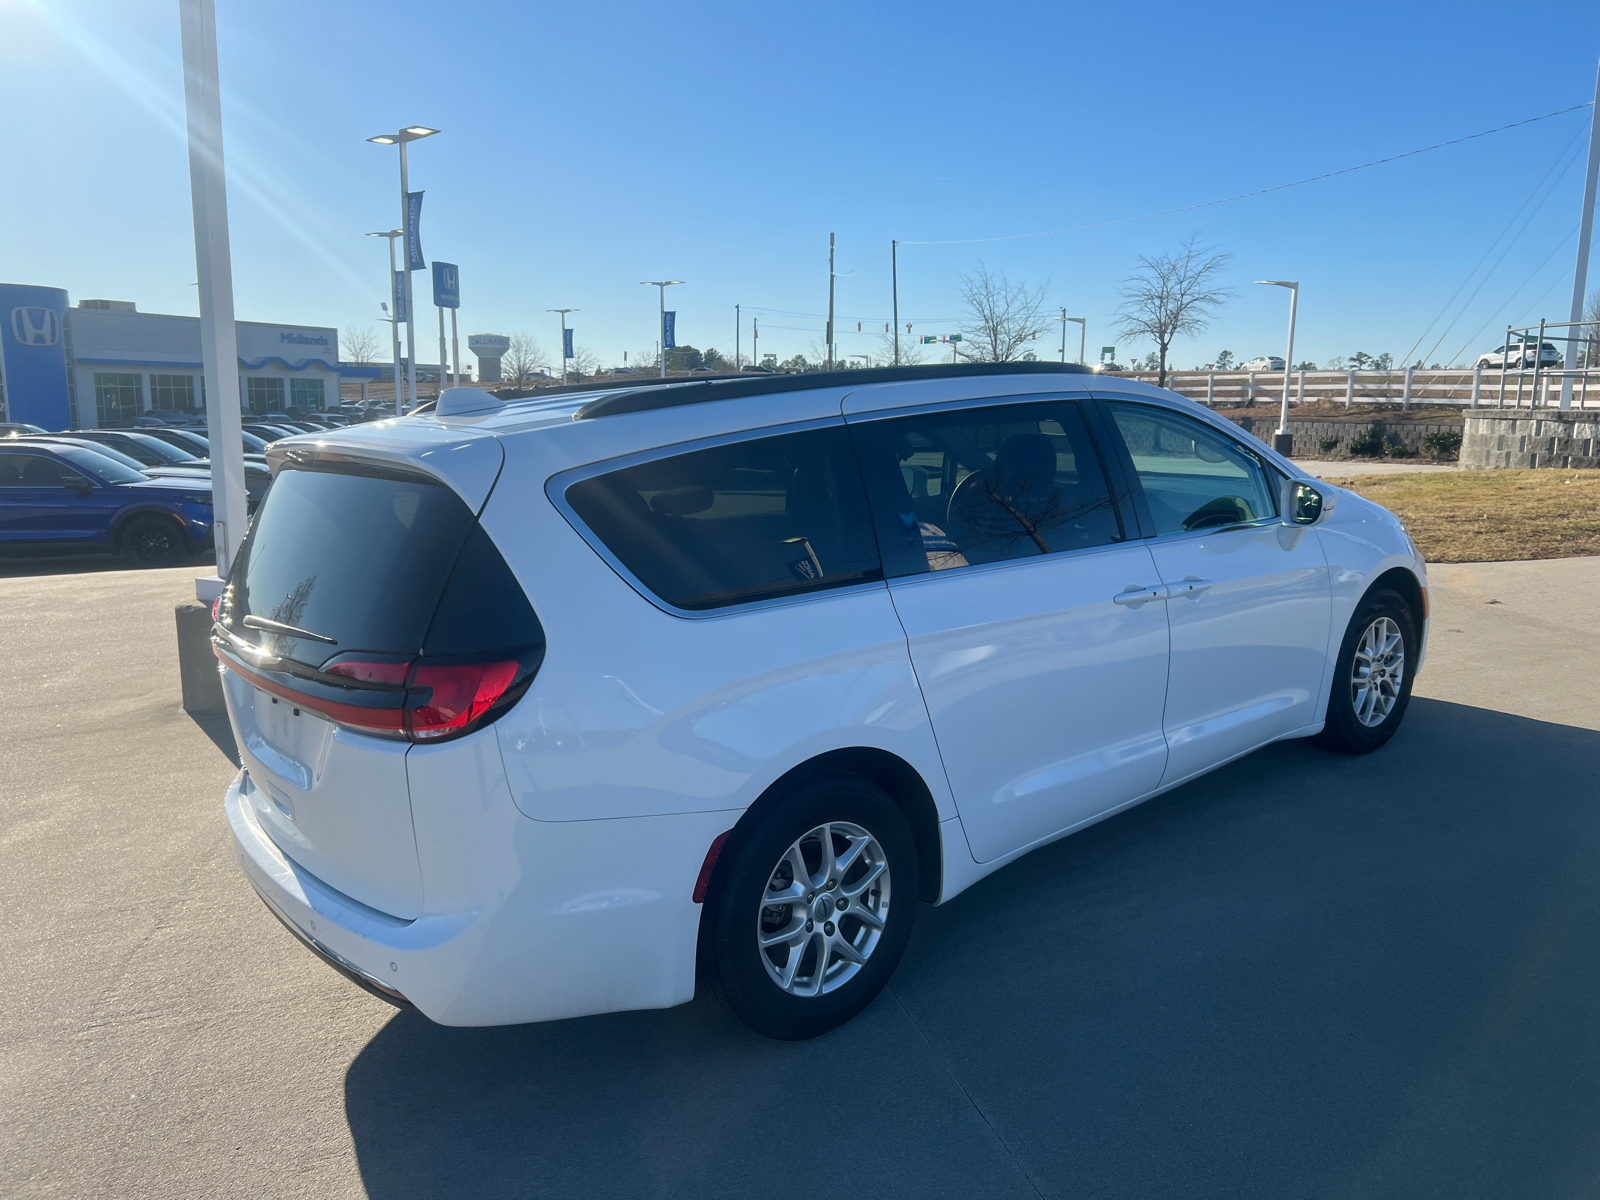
(399, 304)
(566, 344)
(414, 232)
(670, 331)
(446, 285)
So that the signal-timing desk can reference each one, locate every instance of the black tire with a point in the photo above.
(740, 973)
(152, 542)
(1346, 731)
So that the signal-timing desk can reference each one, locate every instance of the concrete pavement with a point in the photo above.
(1334, 469)
(1304, 975)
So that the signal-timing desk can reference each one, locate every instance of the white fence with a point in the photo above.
(1407, 386)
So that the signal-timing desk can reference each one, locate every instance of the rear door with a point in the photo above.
(341, 560)
(1036, 623)
(1248, 596)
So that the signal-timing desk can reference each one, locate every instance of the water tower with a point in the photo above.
(489, 347)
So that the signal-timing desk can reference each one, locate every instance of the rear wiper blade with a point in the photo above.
(254, 622)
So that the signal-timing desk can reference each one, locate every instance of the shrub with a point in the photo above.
(1368, 444)
(1328, 445)
(1398, 449)
(1444, 443)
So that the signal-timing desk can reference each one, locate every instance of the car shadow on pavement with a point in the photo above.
(219, 729)
(1304, 974)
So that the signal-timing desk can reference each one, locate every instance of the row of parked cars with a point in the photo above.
(143, 493)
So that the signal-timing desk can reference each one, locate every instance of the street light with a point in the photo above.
(866, 359)
(1281, 440)
(563, 350)
(663, 284)
(410, 133)
(393, 319)
(1083, 331)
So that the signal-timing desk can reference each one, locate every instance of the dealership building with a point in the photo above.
(103, 364)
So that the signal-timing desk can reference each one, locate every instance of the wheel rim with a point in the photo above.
(824, 908)
(150, 543)
(1377, 672)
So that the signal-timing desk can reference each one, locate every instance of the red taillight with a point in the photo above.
(216, 608)
(372, 672)
(460, 694)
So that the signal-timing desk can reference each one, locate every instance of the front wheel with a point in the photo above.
(1373, 675)
(152, 542)
(810, 909)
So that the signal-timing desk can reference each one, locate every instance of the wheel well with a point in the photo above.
(896, 777)
(1404, 582)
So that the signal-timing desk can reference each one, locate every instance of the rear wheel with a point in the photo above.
(152, 542)
(809, 912)
(1373, 675)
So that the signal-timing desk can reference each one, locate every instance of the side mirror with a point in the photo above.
(1303, 504)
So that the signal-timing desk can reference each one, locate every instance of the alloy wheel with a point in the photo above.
(823, 910)
(1377, 672)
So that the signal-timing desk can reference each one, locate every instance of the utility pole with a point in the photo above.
(1063, 335)
(894, 283)
(1580, 276)
(755, 341)
(738, 329)
(830, 301)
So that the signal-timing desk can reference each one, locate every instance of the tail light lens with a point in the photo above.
(460, 695)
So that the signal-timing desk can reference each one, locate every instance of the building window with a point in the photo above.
(175, 393)
(306, 393)
(265, 395)
(116, 399)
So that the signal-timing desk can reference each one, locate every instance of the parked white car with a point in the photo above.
(1266, 362)
(552, 707)
(1521, 357)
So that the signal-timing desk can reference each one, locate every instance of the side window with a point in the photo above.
(1193, 476)
(981, 485)
(36, 471)
(752, 520)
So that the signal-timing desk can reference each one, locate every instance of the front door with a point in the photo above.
(1035, 621)
(1248, 595)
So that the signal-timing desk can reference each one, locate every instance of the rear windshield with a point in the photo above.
(360, 559)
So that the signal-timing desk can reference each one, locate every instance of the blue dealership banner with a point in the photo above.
(33, 356)
(414, 232)
(669, 330)
(446, 285)
(399, 291)
(566, 344)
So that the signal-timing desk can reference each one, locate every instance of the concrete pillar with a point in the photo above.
(1405, 399)
(1477, 383)
(1349, 388)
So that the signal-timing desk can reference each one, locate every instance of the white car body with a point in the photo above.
(1519, 358)
(1267, 362)
(545, 865)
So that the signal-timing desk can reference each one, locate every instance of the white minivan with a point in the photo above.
(557, 706)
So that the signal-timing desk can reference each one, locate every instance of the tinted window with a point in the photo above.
(360, 559)
(36, 471)
(775, 516)
(982, 485)
(1194, 477)
(103, 467)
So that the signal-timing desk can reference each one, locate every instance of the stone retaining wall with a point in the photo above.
(1540, 438)
(1309, 435)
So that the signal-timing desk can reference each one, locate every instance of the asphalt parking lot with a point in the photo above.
(1304, 975)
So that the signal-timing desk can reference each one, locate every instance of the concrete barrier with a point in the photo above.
(197, 665)
(1541, 438)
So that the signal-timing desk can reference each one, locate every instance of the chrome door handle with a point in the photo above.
(1133, 596)
(1190, 587)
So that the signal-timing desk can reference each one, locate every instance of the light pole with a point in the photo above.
(866, 360)
(393, 318)
(738, 332)
(1282, 442)
(563, 350)
(663, 284)
(410, 133)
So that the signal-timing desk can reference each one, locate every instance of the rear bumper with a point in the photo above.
(549, 920)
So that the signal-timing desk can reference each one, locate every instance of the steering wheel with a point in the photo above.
(1224, 510)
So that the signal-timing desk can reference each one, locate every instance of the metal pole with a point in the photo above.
(1283, 418)
(1083, 332)
(1538, 364)
(455, 351)
(1405, 396)
(1211, 387)
(394, 324)
(219, 338)
(563, 350)
(830, 301)
(411, 315)
(894, 277)
(1477, 383)
(662, 344)
(1505, 357)
(1580, 274)
(738, 330)
(1349, 388)
(1063, 335)
(443, 360)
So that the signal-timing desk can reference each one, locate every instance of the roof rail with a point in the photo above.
(673, 393)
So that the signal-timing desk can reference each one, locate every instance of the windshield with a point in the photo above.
(253, 444)
(102, 466)
(115, 455)
(154, 450)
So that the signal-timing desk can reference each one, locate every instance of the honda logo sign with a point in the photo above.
(35, 326)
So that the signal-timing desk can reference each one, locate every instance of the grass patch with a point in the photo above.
(1491, 516)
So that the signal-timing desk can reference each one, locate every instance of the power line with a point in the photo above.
(1012, 237)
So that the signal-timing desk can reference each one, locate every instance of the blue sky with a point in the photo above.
(590, 146)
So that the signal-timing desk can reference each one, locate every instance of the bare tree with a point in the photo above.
(522, 358)
(583, 361)
(361, 345)
(1002, 317)
(911, 352)
(1172, 296)
(1590, 333)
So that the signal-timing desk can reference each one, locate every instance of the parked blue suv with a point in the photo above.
(70, 497)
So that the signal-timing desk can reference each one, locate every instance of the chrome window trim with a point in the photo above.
(555, 490)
